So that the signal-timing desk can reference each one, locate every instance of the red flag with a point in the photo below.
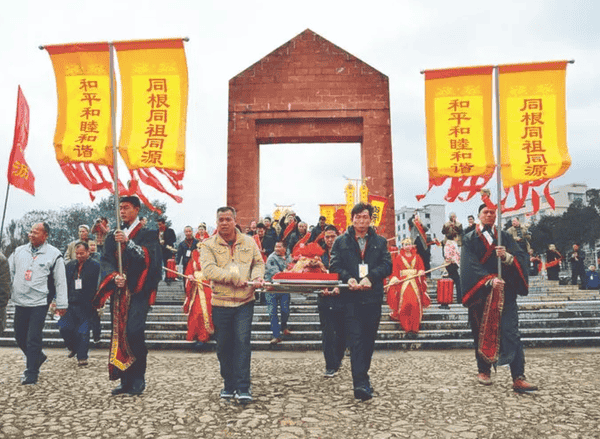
(19, 174)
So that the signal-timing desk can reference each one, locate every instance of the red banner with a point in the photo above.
(19, 174)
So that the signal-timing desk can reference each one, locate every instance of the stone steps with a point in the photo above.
(551, 315)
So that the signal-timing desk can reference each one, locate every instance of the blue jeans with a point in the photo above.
(233, 326)
(29, 324)
(284, 304)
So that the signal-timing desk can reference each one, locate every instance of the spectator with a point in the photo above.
(553, 260)
(452, 229)
(166, 238)
(520, 234)
(316, 234)
(577, 260)
(299, 237)
(186, 247)
(84, 236)
(471, 226)
(276, 263)
(592, 278)
(270, 230)
(100, 230)
(201, 234)
(252, 228)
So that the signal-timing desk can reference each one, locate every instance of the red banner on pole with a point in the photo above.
(19, 174)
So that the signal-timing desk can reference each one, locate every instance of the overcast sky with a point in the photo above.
(398, 38)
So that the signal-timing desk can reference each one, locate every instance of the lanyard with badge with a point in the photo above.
(363, 269)
(29, 273)
(78, 281)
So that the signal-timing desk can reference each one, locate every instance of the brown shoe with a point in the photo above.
(287, 332)
(522, 386)
(484, 378)
(275, 340)
(82, 362)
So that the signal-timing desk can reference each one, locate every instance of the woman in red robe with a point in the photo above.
(197, 303)
(407, 299)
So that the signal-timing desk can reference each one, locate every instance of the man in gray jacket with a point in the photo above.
(4, 290)
(37, 270)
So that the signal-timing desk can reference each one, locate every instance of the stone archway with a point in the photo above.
(308, 91)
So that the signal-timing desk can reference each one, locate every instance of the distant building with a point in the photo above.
(563, 197)
(433, 216)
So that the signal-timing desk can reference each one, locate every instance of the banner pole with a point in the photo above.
(498, 164)
(113, 117)
(4, 216)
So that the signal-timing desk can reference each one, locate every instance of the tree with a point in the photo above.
(64, 224)
(543, 233)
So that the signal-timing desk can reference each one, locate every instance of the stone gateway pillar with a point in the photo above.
(308, 91)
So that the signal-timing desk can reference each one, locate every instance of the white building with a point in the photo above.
(433, 216)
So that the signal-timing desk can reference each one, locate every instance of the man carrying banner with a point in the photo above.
(492, 301)
(130, 295)
(361, 259)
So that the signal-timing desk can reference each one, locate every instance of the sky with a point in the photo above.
(398, 38)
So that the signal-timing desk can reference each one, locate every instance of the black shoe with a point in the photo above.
(138, 387)
(243, 397)
(329, 373)
(364, 393)
(121, 388)
(226, 394)
(71, 354)
(42, 359)
(27, 380)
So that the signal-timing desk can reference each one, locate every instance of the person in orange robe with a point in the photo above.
(407, 299)
(197, 303)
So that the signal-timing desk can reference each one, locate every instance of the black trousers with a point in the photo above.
(362, 323)
(28, 325)
(333, 333)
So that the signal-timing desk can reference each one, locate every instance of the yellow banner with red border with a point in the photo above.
(154, 83)
(458, 105)
(83, 128)
(533, 134)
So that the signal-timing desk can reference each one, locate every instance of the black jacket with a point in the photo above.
(346, 257)
(89, 283)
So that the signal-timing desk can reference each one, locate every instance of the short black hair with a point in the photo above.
(268, 218)
(135, 201)
(470, 216)
(261, 226)
(226, 209)
(322, 218)
(483, 206)
(161, 220)
(330, 228)
(83, 243)
(358, 208)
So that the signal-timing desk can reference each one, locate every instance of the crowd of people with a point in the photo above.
(222, 272)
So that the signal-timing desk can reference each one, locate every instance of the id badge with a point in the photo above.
(78, 284)
(363, 270)
(188, 253)
(28, 274)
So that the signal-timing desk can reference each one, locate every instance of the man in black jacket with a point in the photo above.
(82, 282)
(167, 238)
(361, 259)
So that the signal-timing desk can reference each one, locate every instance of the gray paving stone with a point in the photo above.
(419, 394)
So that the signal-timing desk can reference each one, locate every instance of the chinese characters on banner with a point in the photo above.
(19, 174)
(532, 129)
(154, 86)
(458, 105)
(379, 204)
(155, 94)
(533, 122)
(83, 135)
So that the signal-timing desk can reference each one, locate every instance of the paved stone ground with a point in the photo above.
(420, 394)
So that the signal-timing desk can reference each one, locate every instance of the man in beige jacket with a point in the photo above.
(229, 260)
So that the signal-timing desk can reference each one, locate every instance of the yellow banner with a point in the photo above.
(458, 110)
(328, 211)
(83, 129)
(378, 204)
(533, 130)
(155, 94)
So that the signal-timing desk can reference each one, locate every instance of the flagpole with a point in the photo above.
(4, 215)
(113, 117)
(498, 164)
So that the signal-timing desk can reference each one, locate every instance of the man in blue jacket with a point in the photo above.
(361, 259)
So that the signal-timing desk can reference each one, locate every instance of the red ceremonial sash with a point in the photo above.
(121, 357)
(260, 247)
(288, 230)
(555, 262)
(489, 331)
(301, 243)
